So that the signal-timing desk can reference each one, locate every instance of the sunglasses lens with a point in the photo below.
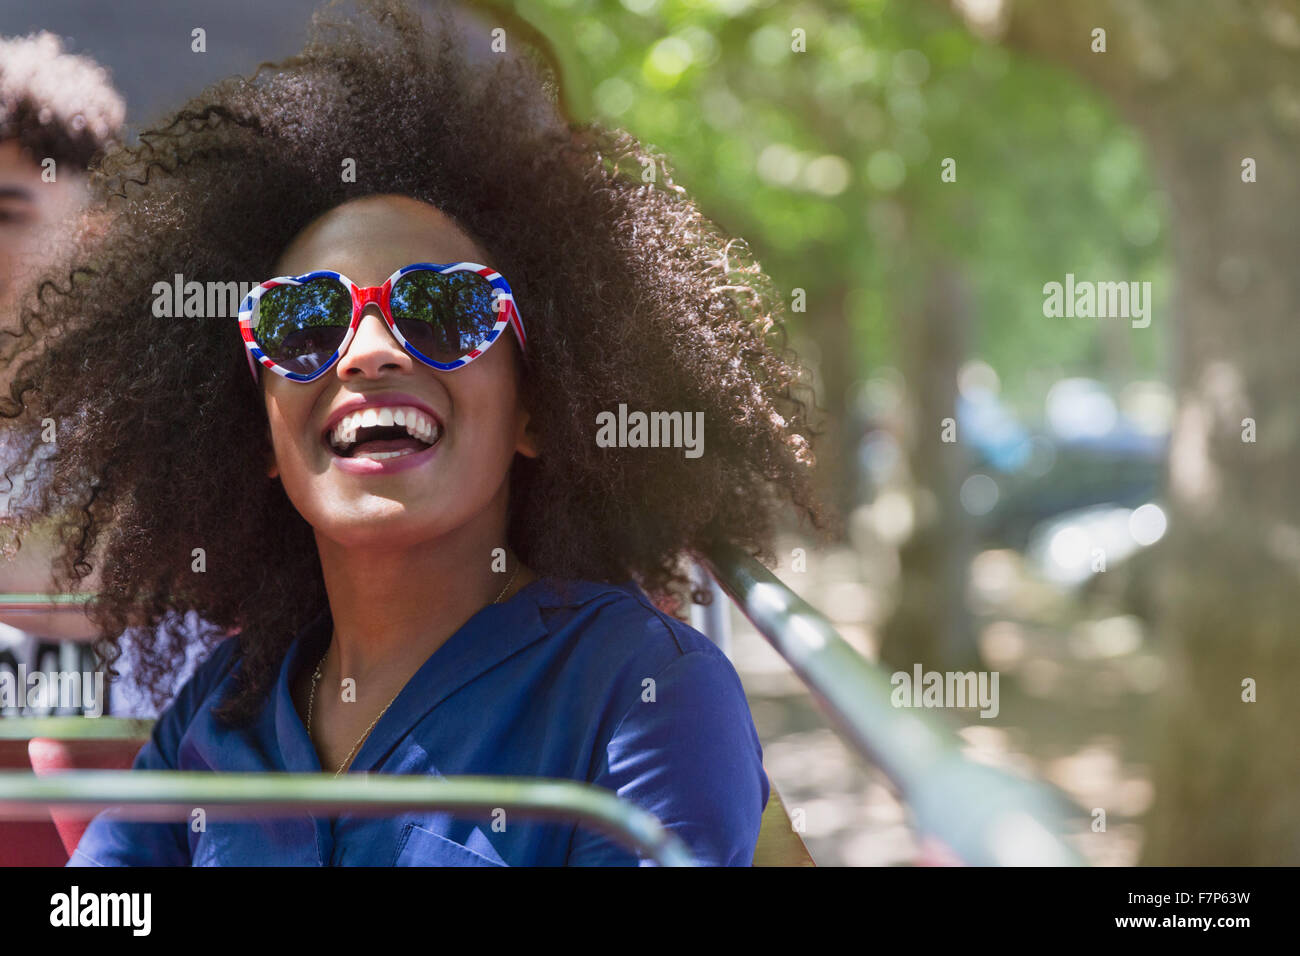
(444, 316)
(300, 326)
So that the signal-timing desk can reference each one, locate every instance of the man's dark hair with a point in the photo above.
(55, 104)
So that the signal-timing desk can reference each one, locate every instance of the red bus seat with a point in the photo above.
(27, 842)
(48, 755)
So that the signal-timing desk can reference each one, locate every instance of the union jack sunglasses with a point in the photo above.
(444, 315)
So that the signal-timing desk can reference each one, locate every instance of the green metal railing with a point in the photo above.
(171, 795)
(75, 728)
(174, 796)
(985, 816)
(32, 601)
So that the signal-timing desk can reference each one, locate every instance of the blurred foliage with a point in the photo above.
(828, 162)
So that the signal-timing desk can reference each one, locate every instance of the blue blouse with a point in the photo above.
(547, 684)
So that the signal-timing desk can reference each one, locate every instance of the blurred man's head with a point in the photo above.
(57, 113)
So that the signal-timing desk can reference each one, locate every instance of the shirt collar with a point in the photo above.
(491, 635)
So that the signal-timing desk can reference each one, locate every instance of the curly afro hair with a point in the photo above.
(630, 295)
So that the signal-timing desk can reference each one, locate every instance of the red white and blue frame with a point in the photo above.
(379, 295)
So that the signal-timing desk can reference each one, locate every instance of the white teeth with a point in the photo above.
(416, 423)
(379, 455)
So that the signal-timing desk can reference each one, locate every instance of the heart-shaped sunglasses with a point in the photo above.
(444, 315)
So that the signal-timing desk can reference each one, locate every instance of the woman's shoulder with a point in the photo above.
(219, 662)
(612, 637)
(619, 615)
(213, 668)
(670, 726)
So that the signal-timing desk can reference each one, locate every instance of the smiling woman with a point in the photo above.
(432, 565)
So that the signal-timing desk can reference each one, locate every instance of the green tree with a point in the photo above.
(819, 131)
(1214, 89)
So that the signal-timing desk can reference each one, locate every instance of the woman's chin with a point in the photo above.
(371, 522)
(375, 534)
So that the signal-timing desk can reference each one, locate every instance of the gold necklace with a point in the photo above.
(315, 679)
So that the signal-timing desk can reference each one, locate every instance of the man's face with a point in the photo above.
(33, 214)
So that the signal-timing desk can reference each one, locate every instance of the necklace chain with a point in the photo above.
(316, 676)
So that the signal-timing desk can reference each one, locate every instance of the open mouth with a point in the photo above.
(380, 433)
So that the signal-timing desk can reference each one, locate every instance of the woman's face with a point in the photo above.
(420, 494)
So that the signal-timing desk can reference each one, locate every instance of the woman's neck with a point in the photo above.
(392, 608)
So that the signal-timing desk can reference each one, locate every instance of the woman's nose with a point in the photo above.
(373, 347)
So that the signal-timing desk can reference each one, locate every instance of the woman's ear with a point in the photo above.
(527, 439)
